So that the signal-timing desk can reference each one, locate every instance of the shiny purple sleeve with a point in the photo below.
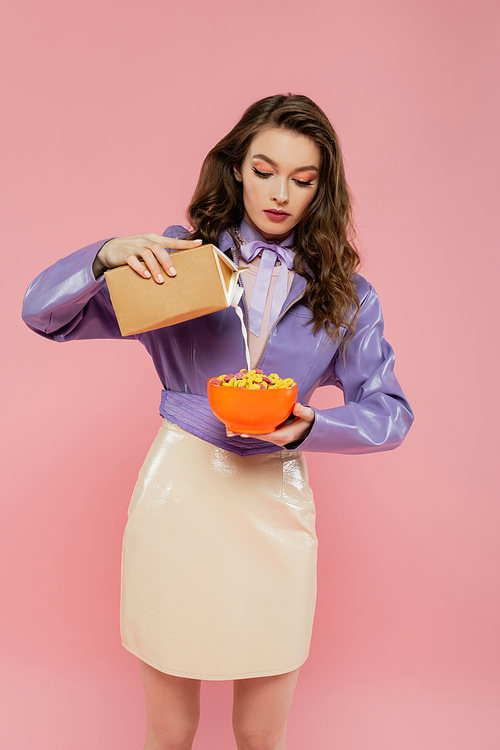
(376, 415)
(66, 302)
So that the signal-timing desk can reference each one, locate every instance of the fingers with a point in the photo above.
(290, 431)
(150, 267)
(153, 250)
(155, 253)
(158, 260)
(137, 266)
(172, 243)
(304, 412)
(286, 434)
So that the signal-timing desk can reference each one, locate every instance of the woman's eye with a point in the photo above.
(303, 183)
(261, 174)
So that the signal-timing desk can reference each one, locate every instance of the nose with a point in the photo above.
(279, 191)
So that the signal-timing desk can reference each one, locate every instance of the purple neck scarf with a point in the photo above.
(270, 252)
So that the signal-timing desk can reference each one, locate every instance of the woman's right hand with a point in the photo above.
(151, 248)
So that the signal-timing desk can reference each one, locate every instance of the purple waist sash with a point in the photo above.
(192, 412)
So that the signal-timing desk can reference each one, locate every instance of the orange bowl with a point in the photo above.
(251, 411)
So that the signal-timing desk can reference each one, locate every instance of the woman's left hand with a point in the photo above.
(290, 431)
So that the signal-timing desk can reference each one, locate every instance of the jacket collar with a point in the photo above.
(250, 234)
(227, 243)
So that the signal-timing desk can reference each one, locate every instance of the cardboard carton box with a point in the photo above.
(205, 282)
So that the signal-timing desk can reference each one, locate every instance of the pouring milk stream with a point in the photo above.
(238, 291)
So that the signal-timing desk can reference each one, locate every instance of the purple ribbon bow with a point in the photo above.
(271, 251)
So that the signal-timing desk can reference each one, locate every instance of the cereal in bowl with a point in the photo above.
(253, 380)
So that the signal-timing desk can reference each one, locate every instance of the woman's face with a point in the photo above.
(280, 175)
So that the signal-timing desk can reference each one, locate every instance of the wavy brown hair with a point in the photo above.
(325, 254)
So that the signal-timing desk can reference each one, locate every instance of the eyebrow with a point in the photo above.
(310, 167)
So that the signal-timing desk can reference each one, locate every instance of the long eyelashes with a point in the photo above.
(265, 175)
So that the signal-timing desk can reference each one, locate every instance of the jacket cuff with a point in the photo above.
(344, 429)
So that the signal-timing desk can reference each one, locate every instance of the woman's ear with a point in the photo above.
(237, 173)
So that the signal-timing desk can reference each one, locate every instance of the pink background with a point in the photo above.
(110, 108)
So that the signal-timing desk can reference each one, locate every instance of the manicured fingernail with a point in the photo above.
(198, 242)
(147, 275)
(160, 278)
(172, 272)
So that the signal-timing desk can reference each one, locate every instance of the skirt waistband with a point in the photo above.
(281, 453)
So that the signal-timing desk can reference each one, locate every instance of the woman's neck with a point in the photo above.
(250, 232)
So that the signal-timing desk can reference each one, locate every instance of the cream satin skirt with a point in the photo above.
(219, 561)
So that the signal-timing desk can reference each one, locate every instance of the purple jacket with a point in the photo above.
(66, 303)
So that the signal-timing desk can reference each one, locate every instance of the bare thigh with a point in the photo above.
(260, 710)
(172, 709)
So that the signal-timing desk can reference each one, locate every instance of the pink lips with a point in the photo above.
(276, 215)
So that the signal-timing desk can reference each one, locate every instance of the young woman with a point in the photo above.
(219, 552)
